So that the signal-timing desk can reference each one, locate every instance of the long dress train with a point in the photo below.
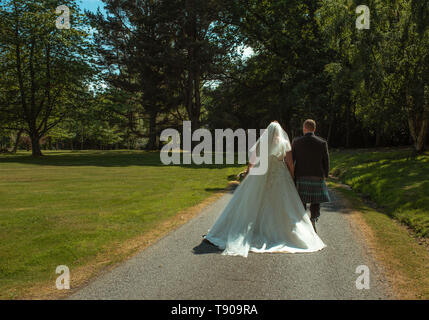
(265, 213)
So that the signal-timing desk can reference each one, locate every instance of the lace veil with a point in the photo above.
(274, 142)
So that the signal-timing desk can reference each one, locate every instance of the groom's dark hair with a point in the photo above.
(310, 125)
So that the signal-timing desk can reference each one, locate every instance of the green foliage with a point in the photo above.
(162, 62)
(383, 66)
(389, 178)
(364, 87)
(46, 69)
(284, 80)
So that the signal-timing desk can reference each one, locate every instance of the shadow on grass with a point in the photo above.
(103, 159)
(230, 189)
(338, 191)
(389, 182)
(214, 189)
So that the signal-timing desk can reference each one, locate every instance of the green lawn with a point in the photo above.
(399, 186)
(66, 207)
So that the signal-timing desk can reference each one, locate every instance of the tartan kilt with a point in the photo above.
(312, 190)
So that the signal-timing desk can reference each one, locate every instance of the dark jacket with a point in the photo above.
(311, 157)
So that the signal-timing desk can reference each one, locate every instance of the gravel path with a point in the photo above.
(181, 266)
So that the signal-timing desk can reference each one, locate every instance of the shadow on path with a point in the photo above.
(336, 205)
(206, 247)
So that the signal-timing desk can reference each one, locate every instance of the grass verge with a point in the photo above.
(405, 261)
(399, 186)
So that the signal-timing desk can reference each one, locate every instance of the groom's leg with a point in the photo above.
(315, 214)
(315, 211)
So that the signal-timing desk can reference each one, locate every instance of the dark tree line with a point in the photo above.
(364, 87)
(147, 65)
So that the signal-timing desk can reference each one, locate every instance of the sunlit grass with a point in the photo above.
(398, 185)
(67, 207)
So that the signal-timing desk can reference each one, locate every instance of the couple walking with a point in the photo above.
(267, 213)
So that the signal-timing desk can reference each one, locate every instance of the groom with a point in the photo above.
(311, 158)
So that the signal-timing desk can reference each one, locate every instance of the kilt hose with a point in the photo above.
(312, 190)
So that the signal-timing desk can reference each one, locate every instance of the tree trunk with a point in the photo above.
(378, 137)
(418, 124)
(35, 146)
(81, 139)
(18, 137)
(328, 139)
(151, 145)
(197, 105)
(418, 131)
(347, 126)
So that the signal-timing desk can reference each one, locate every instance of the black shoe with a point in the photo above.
(208, 242)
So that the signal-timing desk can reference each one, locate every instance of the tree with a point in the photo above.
(413, 64)
(285, 78)
(46, 67)
(161, 53)
(387, 65)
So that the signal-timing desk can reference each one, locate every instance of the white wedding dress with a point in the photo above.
(265, 213)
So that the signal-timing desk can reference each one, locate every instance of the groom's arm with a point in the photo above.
(325, 159)
(293, 150)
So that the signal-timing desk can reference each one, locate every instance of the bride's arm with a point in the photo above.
(289, 162)
(250, 165)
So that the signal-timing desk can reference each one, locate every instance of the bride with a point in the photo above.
(265, 213)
